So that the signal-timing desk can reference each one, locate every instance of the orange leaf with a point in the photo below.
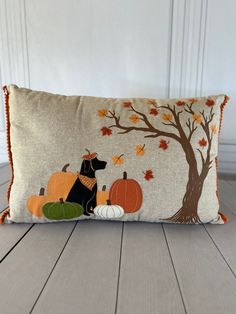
(127, 104)
(210, 102)
(102, 113)
(180, 103)
(167, 117)
(153, 111)
(134, 118)
(202, 142)
(163, 144)
(148, 175)
(118, 160)
(197, 118)
(106, 131)
(193, 100)
(140, 151)
(151, 102)
(214, 128)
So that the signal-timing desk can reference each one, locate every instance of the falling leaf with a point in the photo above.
(163, 144)
(214, 128)
(102, 113)
(210, 102)
(134, 118)
(193, 100)
(140, 151)
(202, 142)
(197, 118)
(151, 102)
(118, 160)
(180, 103)
(167, 117)
(148, 175)
(106, 131)
(127, 104)
(153, 111)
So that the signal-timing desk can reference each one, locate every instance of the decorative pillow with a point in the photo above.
(80, 157)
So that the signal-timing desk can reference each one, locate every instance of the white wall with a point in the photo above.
(151, 48)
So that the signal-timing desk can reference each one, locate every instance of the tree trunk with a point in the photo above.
(188, 213)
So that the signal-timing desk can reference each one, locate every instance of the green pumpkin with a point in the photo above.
(62, 210)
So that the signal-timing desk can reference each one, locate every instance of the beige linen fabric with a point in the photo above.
(48, 131)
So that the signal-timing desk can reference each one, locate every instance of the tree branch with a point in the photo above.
(192, 128)
(202, 158)
(149, 127)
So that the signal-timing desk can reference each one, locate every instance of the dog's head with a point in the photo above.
(89, 167)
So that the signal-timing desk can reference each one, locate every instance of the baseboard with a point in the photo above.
(227, 157)
(3, 147)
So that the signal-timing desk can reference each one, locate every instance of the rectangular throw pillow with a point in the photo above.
(136, 159)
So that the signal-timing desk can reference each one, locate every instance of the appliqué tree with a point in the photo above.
(171, 117)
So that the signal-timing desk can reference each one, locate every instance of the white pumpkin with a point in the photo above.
(109, 211)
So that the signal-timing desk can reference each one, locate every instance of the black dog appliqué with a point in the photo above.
(84, 190)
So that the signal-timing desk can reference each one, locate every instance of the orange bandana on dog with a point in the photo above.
(88, 182)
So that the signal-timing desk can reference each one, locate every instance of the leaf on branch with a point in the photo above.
(202, 142)
(210, 102)
(151, 102)
(163, 144)
(134, 118)
(106, 131)
(139, 150)
(127, 104)
(102, 113)
(180, 103)
(118, 160)
(214, 128)
(153, 111)
(148, 175)
(167, 117)
(197, 118)
(193, 100)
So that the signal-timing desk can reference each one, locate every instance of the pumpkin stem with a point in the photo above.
(41, 191)
(124, 175)
(108, 202)
(64, 169)
(61, 200)
(104, 188)
(88, 151)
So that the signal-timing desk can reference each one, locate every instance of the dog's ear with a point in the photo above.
(86, 166)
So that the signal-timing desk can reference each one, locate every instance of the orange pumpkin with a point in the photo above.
(35, 202)
(127, 193)
(61, 182)
(102, 196)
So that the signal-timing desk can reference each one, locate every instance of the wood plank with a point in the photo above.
(3, 164)
(233, 183)
(224, 238)
(3, 196)
(10, 235)
(206, 281)
(26, 269)
(227, 195)
(85, 278)
(147, 279)
(5, 174)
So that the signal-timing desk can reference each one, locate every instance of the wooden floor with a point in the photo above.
(114, 267)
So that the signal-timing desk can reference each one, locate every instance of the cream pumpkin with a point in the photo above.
(109, 211)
